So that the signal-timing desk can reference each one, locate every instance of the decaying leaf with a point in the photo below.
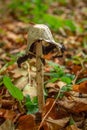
(30, 90)
(74, 104)
(57, 124)
(7, 114)
(56, 112)
(26, 122)
(51, 124)
(7, 125)
(72, 127)
(81, 88)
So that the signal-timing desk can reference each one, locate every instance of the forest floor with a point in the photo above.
(65, 78)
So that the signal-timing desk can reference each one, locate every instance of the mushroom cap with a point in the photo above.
(40, 32)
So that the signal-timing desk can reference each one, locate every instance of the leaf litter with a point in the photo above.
(70, 104)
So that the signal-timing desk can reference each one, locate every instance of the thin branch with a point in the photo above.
(44, 118)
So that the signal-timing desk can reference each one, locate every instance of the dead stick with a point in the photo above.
(39, 75)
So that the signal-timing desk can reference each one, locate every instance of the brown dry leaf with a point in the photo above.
(55, 85)
(8, 44)
(20, 72)
(52, 89)
(11, 35)
(57, 124)
(10, 27)
(7, 103)
(85, 124)
(26, 122)
(74, 104)
(75, 88)
(61, 84)
(53, 113)
(14, 37)
(56, 112)
(7, 125)
(72, 127)
(81, 88)
(22, 78)
(73, 68)
(21, 82)
(48, 56)
(7, 114)
(50, 85)
(51, 124)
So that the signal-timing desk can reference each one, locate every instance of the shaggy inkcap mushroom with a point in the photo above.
(40, 40)
(41, 32)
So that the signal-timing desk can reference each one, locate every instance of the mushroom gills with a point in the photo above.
(46, 51)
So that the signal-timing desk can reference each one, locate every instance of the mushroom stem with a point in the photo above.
(39, 75)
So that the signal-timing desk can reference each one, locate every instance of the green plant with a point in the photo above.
(20, 6)
(7, 64)
(13, 90)
(71, 121)
(31, 105)
(64, 2)
(70, 25)
(37, 11)
(58, 73)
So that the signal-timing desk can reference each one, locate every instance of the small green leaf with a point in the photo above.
(71, 122)
(71, 76)
(52, 75)
(53, 80)
(31, 105)
(66, 88)
(81, 80)
(64, 2)
(53, 21)
(70, 24)
(13, 90)
(66, 79)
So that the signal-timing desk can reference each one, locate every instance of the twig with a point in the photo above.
(78, 73)
(44, 118)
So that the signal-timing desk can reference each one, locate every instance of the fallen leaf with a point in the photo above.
(7, 103)
(72, 127)
(7, 125)
(81, 88)
(26, 122)
(61, 84)
(7, 114)
(21, 82)
(74, 104)
(14, 37)
(73, 68)
(56, 112)
(57, 124)
(30, 90)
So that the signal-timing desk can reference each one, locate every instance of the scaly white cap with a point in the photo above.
(40, 32)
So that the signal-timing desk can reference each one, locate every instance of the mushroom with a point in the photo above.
(39, 36)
